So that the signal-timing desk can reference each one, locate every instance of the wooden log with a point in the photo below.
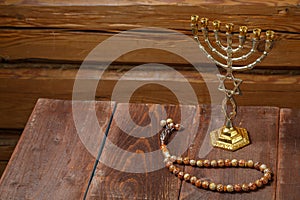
(262, 124)
(21, 87)
(71, 46)
(288, 155)
(120, 175)
(50, 156)
(46, 31)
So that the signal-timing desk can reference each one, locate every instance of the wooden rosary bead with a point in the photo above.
(227, 163)
(213, 163)
(237, 187)
(193, 162)
(252, 186)
(234, 162)
(221, 163)
(199, 163)
(179, 160)
(186, 160)
(220, 188)
(245, 187)
(198, 183)
(229, 188)
(205, 184)
(206, 163)
(171, 161)
(180, 175)
(193, 179)
(212, 186)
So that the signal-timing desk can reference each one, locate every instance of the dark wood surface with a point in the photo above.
(50, 161)
(273, 142)
(288, 155)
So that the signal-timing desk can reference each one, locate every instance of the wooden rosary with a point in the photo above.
(171, 160)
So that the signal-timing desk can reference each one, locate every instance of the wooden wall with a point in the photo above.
(44, 42)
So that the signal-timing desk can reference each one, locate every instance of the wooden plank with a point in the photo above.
(145, 2)
(262, 124)
(20, 88)
(288, 155)
(50, 156)
(74, 46)
(62, 33)
(135, 169)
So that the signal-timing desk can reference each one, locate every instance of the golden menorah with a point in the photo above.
(229, 136)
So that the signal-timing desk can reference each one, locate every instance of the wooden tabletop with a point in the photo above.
(53, 160)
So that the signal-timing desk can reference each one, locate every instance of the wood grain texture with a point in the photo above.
(288, 155)
(262, 124)
(146, 2)
(69, 33)
(50, 159)
(135, 169)
(21, 86)
(72, 46)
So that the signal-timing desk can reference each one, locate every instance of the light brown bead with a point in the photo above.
(264, 180)
(245, 187)
(198, 183)
(212, 186)
(221, 163)
(173, 158)
(179, 160)
(227, 163)
(259, 183)
(268, 175)
(169, 120)
(176, 171)
(225, 188)
(229, 188)
(205, 184)
(171, 168)
(177, 127)
(193, 179)
(187, 177)
(180, 175)
(262, 167)
(241, 163)
(252, 186)
(234, 162)
(213, 163)
(250, 163)
(199, 163)
(237, 187)
(268, 170)
(186, 160)
(220, 188)
(257, 165)
(193, 162)
(206, 163)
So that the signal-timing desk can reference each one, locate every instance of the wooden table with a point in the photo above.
(51, 161)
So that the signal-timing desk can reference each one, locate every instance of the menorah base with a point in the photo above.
(229, 138)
